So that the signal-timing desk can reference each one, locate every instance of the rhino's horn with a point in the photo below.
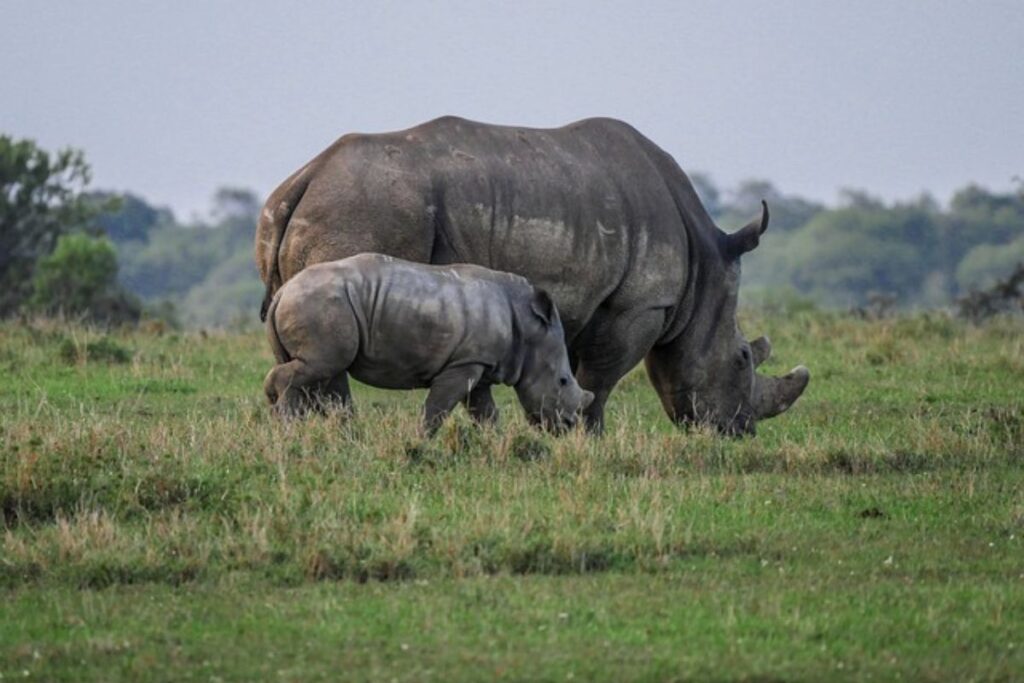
(749, 236)
(761, 350)
(774, 395)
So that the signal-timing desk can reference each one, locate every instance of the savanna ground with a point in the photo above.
(158, 525)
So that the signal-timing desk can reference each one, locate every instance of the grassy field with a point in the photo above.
(158, 525)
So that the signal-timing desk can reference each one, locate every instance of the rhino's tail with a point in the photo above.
(274, 222)
(280, 353)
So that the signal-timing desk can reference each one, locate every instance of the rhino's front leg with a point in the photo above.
(620, 343)
(480, 405)
(448, 388)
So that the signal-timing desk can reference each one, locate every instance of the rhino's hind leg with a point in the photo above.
(288, 388)
(480, 405)
(450, 387)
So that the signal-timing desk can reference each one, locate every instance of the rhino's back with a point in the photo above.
(584, 210)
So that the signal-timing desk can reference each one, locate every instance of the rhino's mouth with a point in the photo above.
(688, 414)
(558, 423)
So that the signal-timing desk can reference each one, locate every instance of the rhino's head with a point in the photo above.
(547, 388)
(708, 373)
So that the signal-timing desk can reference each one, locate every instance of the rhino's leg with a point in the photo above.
(614, 347)
(334, 393)
(288, 387)
(480, 405)
(446, 390)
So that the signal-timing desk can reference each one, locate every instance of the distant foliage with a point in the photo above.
(199, 274)
(80, 278)
(40, 200)
(127, 217)
(854, 255)
(787, 211)
(914, 253)
(987, 263)
(1005, 296)
(102, 350)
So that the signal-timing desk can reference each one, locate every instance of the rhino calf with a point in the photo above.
(393, 324)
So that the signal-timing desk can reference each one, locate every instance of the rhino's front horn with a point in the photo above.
(774, 395)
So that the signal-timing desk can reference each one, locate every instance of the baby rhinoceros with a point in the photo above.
(394, 324)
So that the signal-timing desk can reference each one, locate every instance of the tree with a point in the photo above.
(788, 212)
(40, 199)
(982, 217)
(80, 278)
(843, 255)
(126, 218)
(986, 263)
(235, 203)
(205, 268)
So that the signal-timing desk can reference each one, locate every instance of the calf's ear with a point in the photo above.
(543, 307)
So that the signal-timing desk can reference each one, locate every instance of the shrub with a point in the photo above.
(80, 278)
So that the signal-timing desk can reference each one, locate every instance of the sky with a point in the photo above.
(171, 100)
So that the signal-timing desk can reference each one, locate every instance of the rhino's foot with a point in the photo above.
(593, 419)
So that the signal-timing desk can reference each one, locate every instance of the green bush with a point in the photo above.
(103, 350)
(80, 278)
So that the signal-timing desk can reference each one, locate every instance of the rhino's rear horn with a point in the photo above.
(761, 349)
(774, 395)
(747, 238)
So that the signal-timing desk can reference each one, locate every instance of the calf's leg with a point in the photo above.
(287, 387)
(480, 405)
(335, 392)
(446, 390)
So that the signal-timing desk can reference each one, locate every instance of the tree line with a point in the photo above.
(115, 257)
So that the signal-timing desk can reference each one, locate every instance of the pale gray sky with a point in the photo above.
(172, 99)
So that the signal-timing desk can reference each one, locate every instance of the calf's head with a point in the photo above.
(707, 375)
(546, 388)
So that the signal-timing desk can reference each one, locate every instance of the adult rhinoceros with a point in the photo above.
(593, 212)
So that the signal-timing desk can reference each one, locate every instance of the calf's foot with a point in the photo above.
(288, 388)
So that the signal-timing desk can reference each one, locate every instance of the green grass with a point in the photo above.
(159, 525)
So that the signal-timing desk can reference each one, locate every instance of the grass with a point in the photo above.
(159, 525)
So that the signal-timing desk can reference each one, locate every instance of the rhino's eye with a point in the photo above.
(563, 381)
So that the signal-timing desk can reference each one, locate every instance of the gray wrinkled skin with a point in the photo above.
(398, 325)
(593, 212)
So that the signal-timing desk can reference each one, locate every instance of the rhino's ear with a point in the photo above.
(761, 350)
(543, 307)
(749, 236)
